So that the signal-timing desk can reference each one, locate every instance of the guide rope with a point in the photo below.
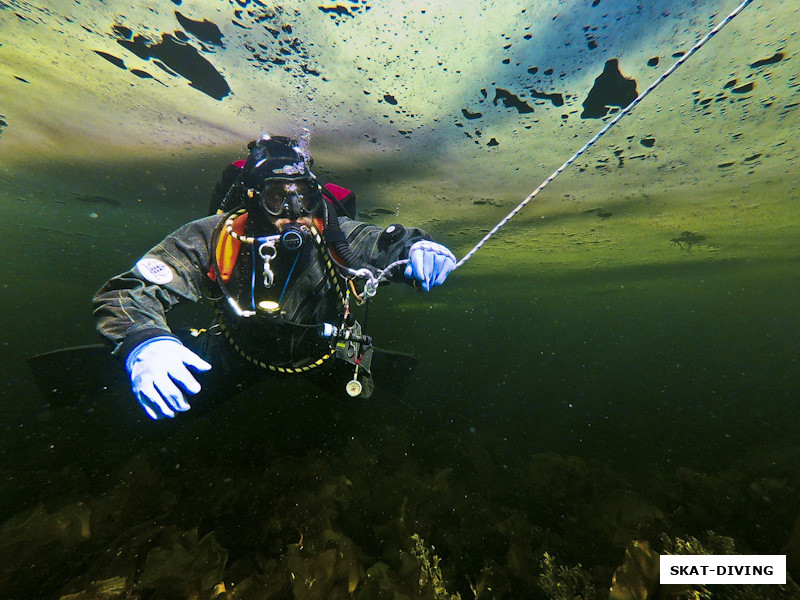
(374, 279)
(605, 129)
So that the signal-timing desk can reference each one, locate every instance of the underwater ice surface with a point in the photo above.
(614, 375)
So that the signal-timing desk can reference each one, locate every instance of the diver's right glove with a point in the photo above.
(159, 375)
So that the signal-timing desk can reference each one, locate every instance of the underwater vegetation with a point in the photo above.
(429, 571)
(375, 522)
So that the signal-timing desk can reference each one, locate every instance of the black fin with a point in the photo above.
(392, 370)
(71, 374)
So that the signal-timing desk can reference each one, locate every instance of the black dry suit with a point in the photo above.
(306, 283)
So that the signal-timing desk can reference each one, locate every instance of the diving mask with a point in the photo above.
(289, 198)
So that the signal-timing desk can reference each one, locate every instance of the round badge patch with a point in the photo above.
(154, 271)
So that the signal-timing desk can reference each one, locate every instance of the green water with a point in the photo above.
(554, 409)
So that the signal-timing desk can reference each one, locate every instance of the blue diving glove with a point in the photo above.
(159, 375)
(429, 263)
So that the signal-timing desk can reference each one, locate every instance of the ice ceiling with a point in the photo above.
(433, 105)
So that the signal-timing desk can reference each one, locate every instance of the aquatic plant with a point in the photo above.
(430, 572)
(711, 544)
(115, 588)
(560, 582)
(638, 575)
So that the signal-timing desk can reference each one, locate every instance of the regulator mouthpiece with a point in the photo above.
(293, 236)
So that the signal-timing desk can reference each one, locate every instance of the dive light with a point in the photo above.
(328, 330)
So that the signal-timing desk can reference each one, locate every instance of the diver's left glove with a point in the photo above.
(159, 375)
(429, 263)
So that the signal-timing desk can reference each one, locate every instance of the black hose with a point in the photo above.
(336, 238)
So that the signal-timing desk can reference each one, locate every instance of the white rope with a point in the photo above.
(605, 129)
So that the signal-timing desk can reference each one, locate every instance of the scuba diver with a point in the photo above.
(284, 262)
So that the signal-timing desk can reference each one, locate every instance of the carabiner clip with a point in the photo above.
(267, 252)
